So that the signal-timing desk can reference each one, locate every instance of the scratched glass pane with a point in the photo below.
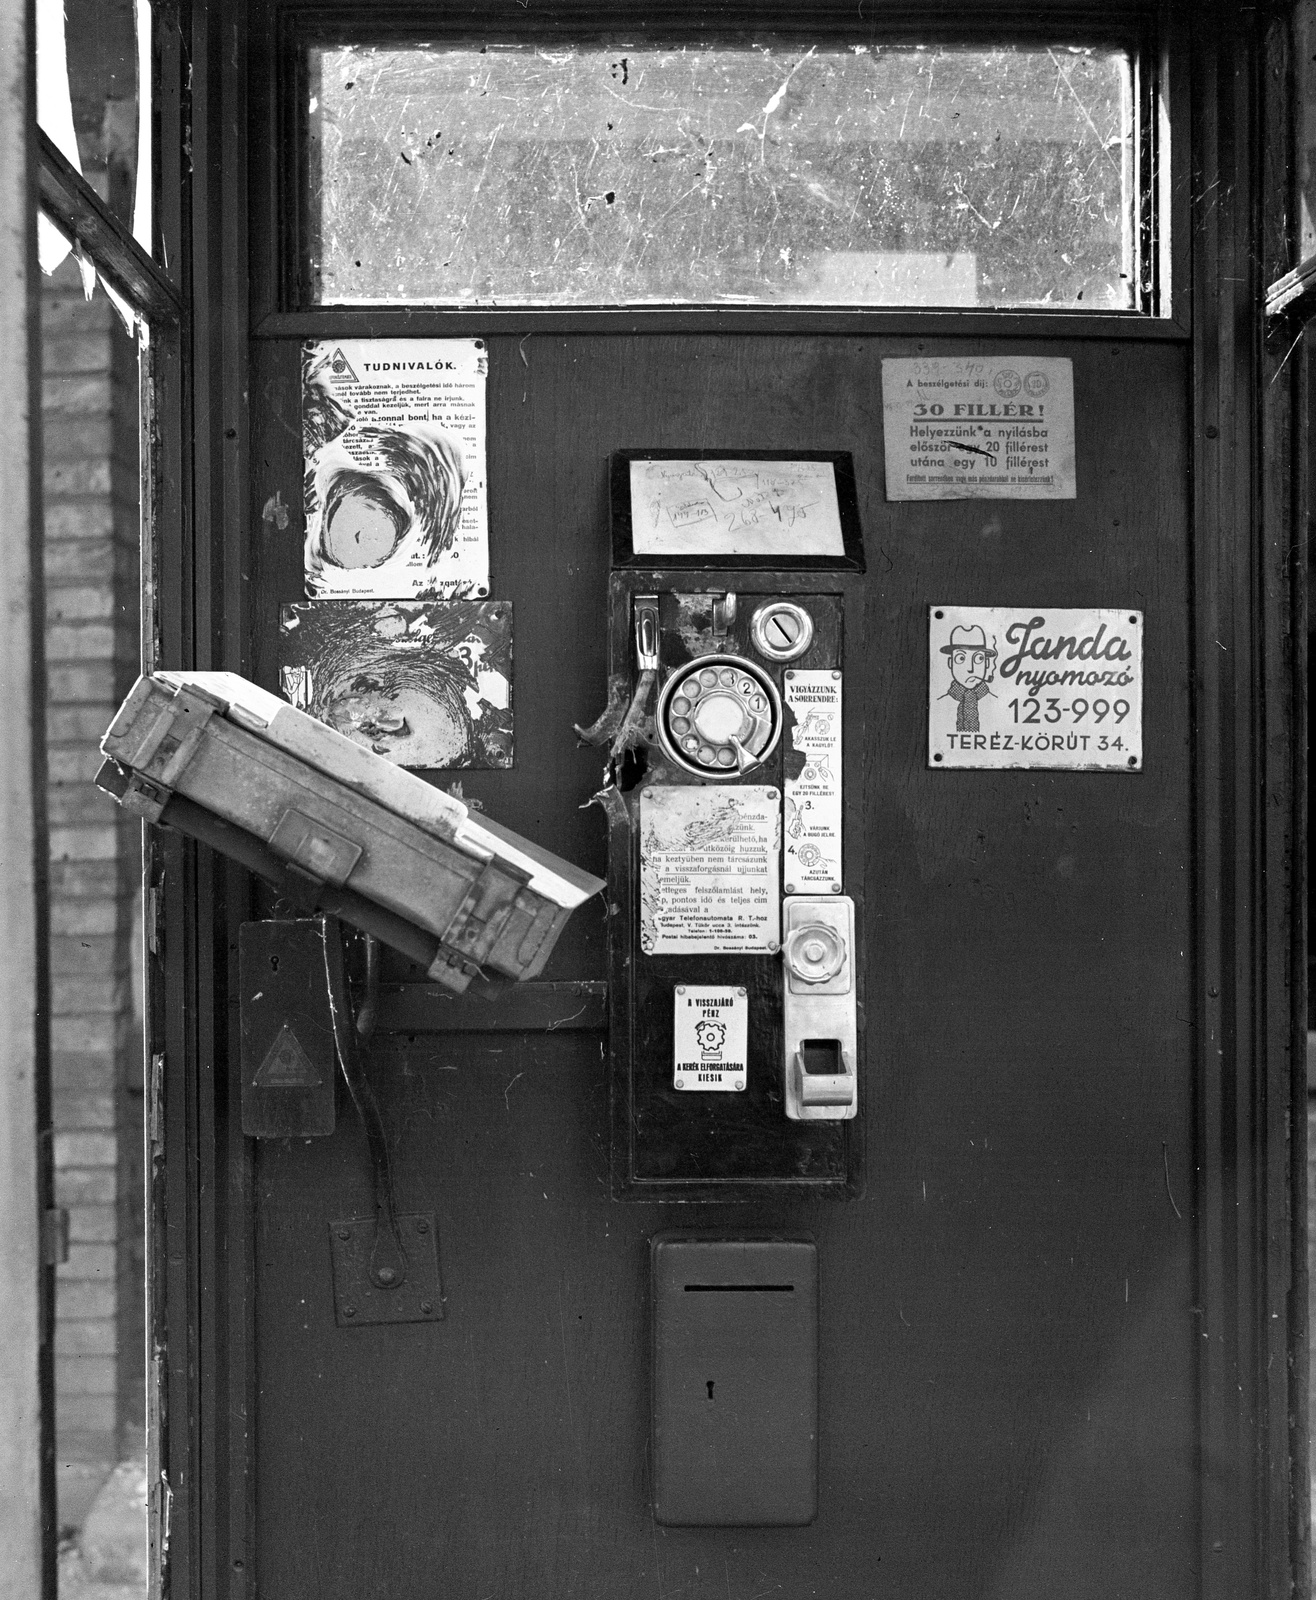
(757, 174)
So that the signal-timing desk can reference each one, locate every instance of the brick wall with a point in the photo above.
(91, 499)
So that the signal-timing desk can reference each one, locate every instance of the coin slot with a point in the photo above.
(781, 630)
(821, 1056)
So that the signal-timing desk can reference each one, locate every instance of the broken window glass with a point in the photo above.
(714, 174)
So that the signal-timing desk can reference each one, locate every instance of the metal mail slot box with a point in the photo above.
(337, 814)
(735, 1382)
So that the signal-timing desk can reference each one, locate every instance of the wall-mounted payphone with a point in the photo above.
(733, 969)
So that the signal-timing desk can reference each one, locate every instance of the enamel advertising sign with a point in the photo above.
(1028, 686)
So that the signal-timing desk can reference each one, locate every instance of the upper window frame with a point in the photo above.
(279, 169)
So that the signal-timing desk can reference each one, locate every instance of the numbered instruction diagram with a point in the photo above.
(979, 428)
(393, 440)
(813, 782)
(1028, 687)
(709, 870)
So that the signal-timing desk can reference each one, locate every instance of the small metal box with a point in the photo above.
(735, 1382)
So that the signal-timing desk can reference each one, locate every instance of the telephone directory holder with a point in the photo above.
(733, 966)
(339, 827)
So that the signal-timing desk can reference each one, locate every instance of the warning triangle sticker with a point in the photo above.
(341, 367)
(286, 1065)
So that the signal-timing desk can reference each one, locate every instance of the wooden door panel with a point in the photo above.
(1007, 1333)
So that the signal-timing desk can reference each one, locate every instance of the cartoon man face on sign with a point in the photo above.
(710, 1036)
(972, 665)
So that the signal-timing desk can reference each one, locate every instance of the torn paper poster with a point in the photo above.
(427, 684)
(979, 428)
(393, 441)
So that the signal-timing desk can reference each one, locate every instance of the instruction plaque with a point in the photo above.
(711, 1037)
(979, 428)
(709, 870)
(813, 792)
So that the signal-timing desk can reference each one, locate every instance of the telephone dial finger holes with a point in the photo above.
(720, 717)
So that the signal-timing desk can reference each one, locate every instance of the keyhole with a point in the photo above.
(710, 1388)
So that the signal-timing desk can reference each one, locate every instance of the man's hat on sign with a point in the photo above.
(967, 639)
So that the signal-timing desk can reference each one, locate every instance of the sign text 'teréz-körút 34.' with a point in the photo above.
(1031, 686)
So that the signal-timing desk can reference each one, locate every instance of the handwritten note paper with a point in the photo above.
(735, 508)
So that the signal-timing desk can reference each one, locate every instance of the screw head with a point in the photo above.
(426, 1307)
(740, 1083)
(680, 1083)
(680, 988)
(344, 1233)
(790, 888)
(836, 674)
(349, 1311)
(742, 991)
(422, 1226)
(836, 888)
(386, 1275)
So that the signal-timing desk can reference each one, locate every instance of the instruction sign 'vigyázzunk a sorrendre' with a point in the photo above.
(1028, 686)
(813, 782)
(979, 428)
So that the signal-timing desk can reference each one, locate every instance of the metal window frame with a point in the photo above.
(88, 223)
(160, 296)
(280, 308)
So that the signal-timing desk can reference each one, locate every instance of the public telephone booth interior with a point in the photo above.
(721, 763)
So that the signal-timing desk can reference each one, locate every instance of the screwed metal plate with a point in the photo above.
(359, 1300)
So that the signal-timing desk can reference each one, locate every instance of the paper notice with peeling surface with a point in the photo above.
(979, 428)
(709, 870)
(395, 495)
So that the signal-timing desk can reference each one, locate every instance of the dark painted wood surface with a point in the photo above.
(1008, 1330)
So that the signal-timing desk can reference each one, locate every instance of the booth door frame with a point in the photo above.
(1250, 506)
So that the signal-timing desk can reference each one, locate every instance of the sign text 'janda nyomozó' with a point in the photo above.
(1026, 686)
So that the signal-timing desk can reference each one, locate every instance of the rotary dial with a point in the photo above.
(720, 716)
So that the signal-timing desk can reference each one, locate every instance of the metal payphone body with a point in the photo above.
(733, 961)
(788, 1119)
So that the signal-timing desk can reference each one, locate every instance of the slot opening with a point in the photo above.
(740, 1288)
